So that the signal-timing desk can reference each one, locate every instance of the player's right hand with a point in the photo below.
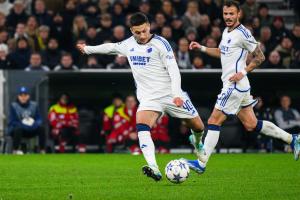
(80, 47)
(178, 101)
(194, 45)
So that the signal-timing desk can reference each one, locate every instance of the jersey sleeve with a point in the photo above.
(169, 61)
(247, 40)
(108, 48)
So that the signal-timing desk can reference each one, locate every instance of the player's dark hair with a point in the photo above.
(138, 19)
(229, 3)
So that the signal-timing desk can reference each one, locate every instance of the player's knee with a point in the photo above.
(250, 126)
(214, 120)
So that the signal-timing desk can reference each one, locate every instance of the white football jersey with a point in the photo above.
(234, 48)
(153, 66)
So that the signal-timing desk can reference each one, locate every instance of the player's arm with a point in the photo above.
(256, 61)
(173, 70)
(215, 52)
(106, 48)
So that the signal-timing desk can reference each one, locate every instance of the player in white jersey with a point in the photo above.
(235, 99)
(158, 83)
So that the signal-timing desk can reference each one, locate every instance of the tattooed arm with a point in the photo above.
(256, 61)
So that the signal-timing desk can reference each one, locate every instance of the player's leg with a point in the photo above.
(145, 119)
(197, 128)
(215, 121)
(250, 122)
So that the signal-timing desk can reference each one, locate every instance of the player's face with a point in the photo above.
(141, 33)
(231, 15)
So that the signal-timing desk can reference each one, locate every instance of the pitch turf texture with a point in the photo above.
(78, 177)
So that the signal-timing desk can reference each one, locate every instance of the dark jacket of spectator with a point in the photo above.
(20, 58)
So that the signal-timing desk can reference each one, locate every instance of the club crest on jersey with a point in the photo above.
(132, 49)
(228, 41)
(149, 50)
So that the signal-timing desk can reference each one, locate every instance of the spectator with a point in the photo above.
(255, 26)
(285, 51)
(66, 63)
(183, 54)
(295, 36)
(79, 28)
(211, 62)
(108, 113)
(205, 27)
(250, 9)
(286, 117)
(263, 15)
(191, 34)
(119, 63)
(104, 6)
(117, 14)
(17, 15)
(2, 21)
(144, 7)
(167, 33)
(41, 13)
(266, 40)
(124, 127)
(91, 13)
(21, 33)
(105, 31)
(278, 30)
(91, 36)
(4, 62)
(64, 123)
(92, 63)
(216, 34)
(20, 57)
(159, 23)
(3, 36)
(5, 7)
(168, 11)
(66, 21)
(32, 28)
(42, 38)
(198, 62)
(210, 8)
(25, 121)
(52, 54)
(177, 29)
(59, 30)
(36, 63)
(274, 61)
(129, 7)
(192, 16)
(118, 33)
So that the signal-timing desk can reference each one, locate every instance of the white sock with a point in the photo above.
(270, 129)
(147, 147)
(197, 135)
(211, 139)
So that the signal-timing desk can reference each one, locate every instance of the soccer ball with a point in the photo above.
(177, 171)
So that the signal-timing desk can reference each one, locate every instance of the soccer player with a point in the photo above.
(235, 98)
(158, 83)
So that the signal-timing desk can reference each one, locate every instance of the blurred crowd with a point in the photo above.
(42, 34)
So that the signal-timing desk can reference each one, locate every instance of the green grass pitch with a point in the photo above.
(100, 176)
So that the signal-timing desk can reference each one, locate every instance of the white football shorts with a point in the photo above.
(166, 105)
(230, 101)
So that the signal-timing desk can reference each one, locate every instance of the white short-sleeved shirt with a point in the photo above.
(234, 48)
(150, 64)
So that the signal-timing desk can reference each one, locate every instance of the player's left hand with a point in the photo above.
(236, 77)
(178, 101)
